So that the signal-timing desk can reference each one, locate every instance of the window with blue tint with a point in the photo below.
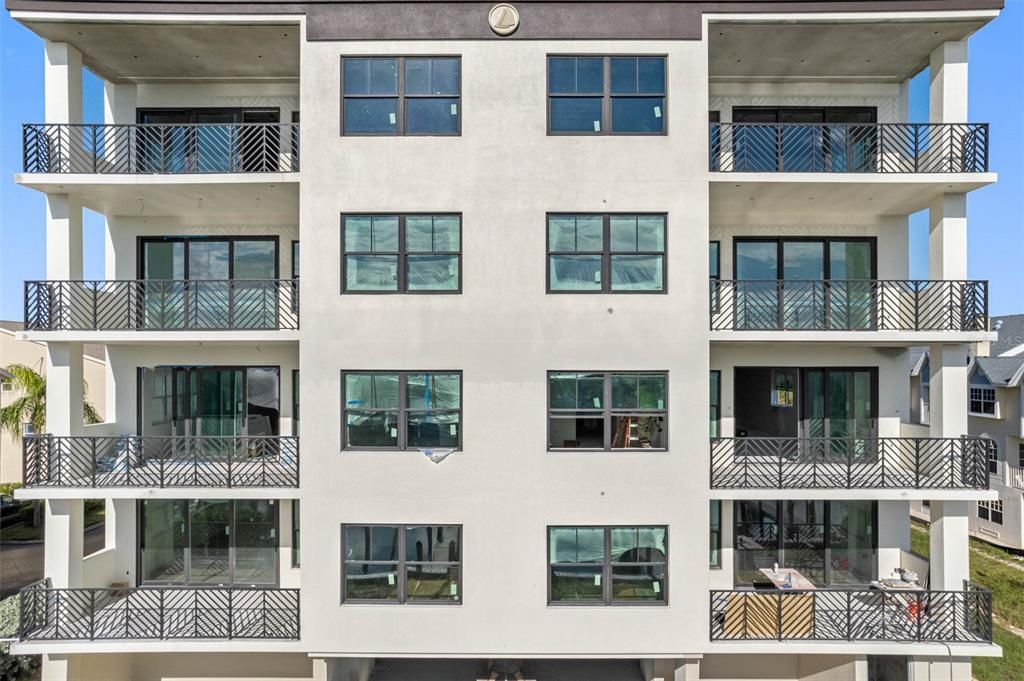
(401, 253)
(402, 410)
(402, 564)
(401, 95)
(607, 410)
(609, 253)
(607, 565)
(606, 95)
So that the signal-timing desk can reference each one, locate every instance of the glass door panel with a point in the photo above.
(210, 541)
(800, 140)
(209, 269)
(163, 147)
(851, 148)
(215, 144)
(852, 554)
(803, 539)
(163, 292)
(163, 541)
(263, 400)
(757, 296)
(851, 289)
(756, 147)
(255, 542)
(803, 270)
(255, 300)
(850, 412)
(260, 145)
(221, 403)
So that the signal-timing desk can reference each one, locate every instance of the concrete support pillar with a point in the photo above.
(947, 101)
(670, 669)
(119, 101)
(65, 389)
(947, 237)
(940, 669)
(62, 74)
(63, 237)
(62, 558)
(121, 536)
(948, 364)
(893, 535)
(57, 668)
(949, 562)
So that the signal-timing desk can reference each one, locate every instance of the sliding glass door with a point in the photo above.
(839, 404)
(208, 140)
(805, 139)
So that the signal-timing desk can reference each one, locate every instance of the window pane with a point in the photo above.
(652, 391)
(434, 116)
(573, 583)
(384, 544)
(385, 233)
(371, 273)
(637, 273)
(424, 76)
(561, 75)
(624, 391)
(589, 391)
(383, 76)
(163, 540)
(255, 542)
(589, 75)
(209, 541)
(446, 233)
(575, 272)
(624, 546)
(371, 582)
(652, 544)
(651, 72)
(417, 76)
(371, 429)
(576, 544)
(638, 583)
(638, 114)
(432, 272)
(255, 260)
(365, 542)
(583, 431)
(433, 391)
(432, 582)
(623, 74)
(433, 429)
(638, 432)
(357, 76)
(358, 234)
(419, 234)
(576, 114)
(713, 261)
(561, 233)
(439, 544)
(623, 233)
(371, 391)
(562, 391)
(371, 115)
(650, 233)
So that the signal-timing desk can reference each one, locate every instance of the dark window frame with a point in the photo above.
(402, 410)
(715, 408)
(401, 255)
(606, 95)
(605, 253)
(401, 563)
(192, 111)
(715, 536)
(607, 413)
(607, 566)
(987, 510)
(296, 527)
(401, 96)
(141, 241)
(977, 396)
(993, 458)
(826, 242)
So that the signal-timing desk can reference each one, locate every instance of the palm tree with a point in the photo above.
(31, 406)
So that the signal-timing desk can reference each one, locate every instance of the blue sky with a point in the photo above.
(996, 214)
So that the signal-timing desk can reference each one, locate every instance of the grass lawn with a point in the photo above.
(1007, 586)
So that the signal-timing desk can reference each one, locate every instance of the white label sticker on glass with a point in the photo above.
(452, 269)
(391, 579)
(597, 402)
(454, 589)
(597, 126)
(394, 270)
(657, 587)
(455, 109)
(394, 432)
(657, 112)
(392, 118)
(661, 404)
(453, 429)
(597, 276)
(597, 580)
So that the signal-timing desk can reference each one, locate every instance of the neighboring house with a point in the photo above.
(635, 273)
(33, 354)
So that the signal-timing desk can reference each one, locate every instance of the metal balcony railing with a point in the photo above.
(135, 461)
(849, 147)
(152, 148)
(850, 463)
(163, 305)
(848, 305)
(853, 615)
(49, 614)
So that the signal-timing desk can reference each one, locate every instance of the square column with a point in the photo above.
(893, 535)
(62, 74)
(947, 101)
(63, 237)
(948, 364)
(62, 558)
(65, 389)
(949, 561)
(947, 237)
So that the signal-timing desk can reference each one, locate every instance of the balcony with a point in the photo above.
(850, 463)
(853, 615)
(851, 305)
(161, 462)
(122, 614)
(151, 148)
(890, 148)
(163, 305)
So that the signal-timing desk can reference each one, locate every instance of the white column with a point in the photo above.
(62, 558)
(62, 75)
(948, 365)
(949, 563)
(63, 237)
(947, 237)
(119, 102)
(121, 536)
(893, 535)
(64, 389)
(947, 102)
(57, 668)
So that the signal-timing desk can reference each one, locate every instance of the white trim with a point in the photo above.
(106, 18)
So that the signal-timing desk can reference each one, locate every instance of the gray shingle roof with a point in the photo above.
(1011, 333)
(1001, 370)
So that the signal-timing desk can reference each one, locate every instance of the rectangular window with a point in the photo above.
(401, 95)
(993, 458)
(593, 95)
(1020, 455)
(991, 511)
(402, 410)
(607, 565)
(716, 403)
(983, 401)
(607, 410)
(401, 253)
(610, 253)
(715, 554)
(296, 545)
(401, 564)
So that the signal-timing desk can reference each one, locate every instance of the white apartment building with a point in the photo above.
(505, 214)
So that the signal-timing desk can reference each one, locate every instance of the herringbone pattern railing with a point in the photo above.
(849, 147)
(162, 305)
(848, 305)
(135, 461)
(49, 614)
(148, 148)
(850, 463)
(853, 615)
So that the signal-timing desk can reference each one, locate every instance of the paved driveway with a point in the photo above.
(22, 564)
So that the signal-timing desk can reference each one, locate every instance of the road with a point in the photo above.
(23, 564)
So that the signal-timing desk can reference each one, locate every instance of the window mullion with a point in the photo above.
(606, 103)
(606, 568)
(401, 254)
(401, 96)
(606, 258)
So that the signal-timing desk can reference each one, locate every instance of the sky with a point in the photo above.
(995, 213)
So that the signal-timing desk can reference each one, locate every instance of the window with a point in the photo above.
(401, 564)
(991, 511)
(715, 272)
(6, 385)
(983, 400)
(606, 253)
(402, 410)
(716, 402)
(715, 553)
(993, 458)
(606, 95)
(607, 411)
(1020, 455)
(296, 546)
(295, 259)
(401, 96)
(607, 565)
(295, 401)
(28, 429)
(401, 254)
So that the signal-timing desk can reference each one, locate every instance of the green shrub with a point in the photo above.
(27, 513)
(9, 487)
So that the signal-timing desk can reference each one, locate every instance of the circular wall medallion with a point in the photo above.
(504, 19)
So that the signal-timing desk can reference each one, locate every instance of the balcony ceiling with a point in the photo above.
(122, 53)
(881, 52)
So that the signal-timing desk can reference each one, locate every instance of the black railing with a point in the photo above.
(163, 305)
(135, 461)
(850, 463)
(853, 615)
(49, 614)
(848, 305)
(849, 147)
(150, 148)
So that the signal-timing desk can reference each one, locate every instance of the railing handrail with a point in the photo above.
(797, 124)
(49, 436)
(826, 282)
(238, 124)
(275, 280)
